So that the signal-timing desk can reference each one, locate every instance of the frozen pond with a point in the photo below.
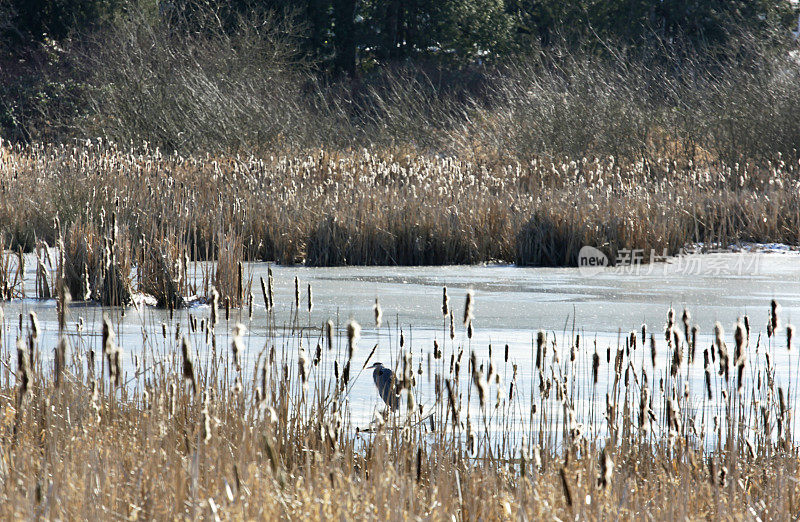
(511, 304)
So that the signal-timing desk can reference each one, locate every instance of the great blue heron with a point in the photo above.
(386, 383)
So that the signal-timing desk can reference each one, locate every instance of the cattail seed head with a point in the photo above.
(789, 336)
(270, 291)
(541, 339)
(606, 469)
(237, 344)
(302, 365)
(188, 366)
(468, 307)
(214, 307)
(310, 299)
(773, 316)
(378, 313)
(445, 302)
(296, 293)
(653, 350)
(722, 349)
(23, 370)
(329, 333)
(264, 293)
(353, 334)
(35, 329)
(738, 337)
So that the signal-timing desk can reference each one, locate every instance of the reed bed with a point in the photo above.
(375, 207)
(188, 427)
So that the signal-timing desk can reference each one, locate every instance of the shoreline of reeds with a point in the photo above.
(379, 208)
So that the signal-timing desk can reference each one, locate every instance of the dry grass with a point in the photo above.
(277, 443)
(374, 207)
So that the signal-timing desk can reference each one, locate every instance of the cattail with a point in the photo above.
(270, 292)
(670, 318)
(108, 335)
(227, 308)
(468, 308)
(445, 302)
(115, 366)
(329, 333)
(34, 324)
(774, 322)
(296, 293)
(541, 339)
(23, 370)
(378, 313)
(353, 334)
(652, 351)
(677, 354)
(686, 318)
(408, 370)
(722, 349)
(738, 337)
(402, 338)
(673, 414)
(237, 344)
(469, 330)
(437, 351)
(693, 344)
(747, 328)
(188, 366)
(789, 336)
(707, 366)
(302, 365)
(644, 410)
(310, 299)
(595, 366)
(346, 375)
(240, 283)
(264, 293)
(318, 355)
(214, 307)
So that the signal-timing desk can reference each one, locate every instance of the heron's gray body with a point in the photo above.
(386, 384)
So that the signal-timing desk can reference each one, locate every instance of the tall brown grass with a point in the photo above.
(376, 207)
(185, 438)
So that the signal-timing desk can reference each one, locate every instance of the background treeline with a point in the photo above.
(698, 80)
